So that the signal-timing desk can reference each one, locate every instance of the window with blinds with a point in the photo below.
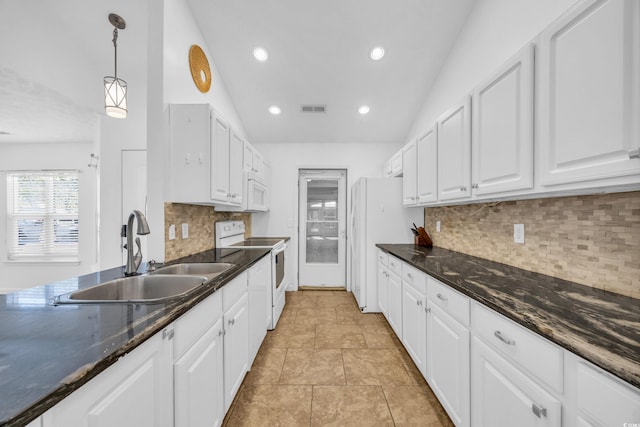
(42, 217)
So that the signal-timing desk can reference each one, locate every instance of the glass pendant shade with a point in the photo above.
(115, 97)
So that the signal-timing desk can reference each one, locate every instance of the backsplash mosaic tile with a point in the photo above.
(591, 240)
(201, 220)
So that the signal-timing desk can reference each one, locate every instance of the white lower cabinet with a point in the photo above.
(199, 391)
(414, 315)
(259, 286)
(383, 289)
(236, 348)
(394, 299)
(135, 391)
(504, 396)
(448, 363)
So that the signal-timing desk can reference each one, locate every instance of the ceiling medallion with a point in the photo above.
(200, 71)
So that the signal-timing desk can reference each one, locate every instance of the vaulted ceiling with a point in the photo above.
(319, 54)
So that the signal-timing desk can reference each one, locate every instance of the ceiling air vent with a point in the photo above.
(313, 108)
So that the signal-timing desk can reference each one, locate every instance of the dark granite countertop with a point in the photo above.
(600, 326)
(47, 352)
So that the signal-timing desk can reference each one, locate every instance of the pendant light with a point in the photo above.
(115, 89)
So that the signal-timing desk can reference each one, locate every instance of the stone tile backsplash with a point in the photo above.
(201, 220)
(591, 240)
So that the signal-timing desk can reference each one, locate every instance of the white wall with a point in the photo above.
(26, 156)
(359, 159)
(494, 31)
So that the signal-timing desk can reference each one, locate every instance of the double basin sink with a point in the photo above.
(165, 283)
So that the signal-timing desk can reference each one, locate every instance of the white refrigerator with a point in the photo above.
(377, 216)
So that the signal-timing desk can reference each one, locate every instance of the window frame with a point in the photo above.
(51, 248)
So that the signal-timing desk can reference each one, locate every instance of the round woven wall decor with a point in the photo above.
(199, 66)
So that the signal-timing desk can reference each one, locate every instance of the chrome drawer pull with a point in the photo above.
(410, 276)
(442, 297)
(539, 411)
(507, 341)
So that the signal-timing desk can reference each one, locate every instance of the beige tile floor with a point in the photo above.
(327, 364)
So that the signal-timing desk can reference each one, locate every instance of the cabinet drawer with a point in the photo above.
(194, 323)
(605, 399)
(395, 266)
(415, 278)
(452, 302)
(383, 257)
(534, 353)
(232, 291)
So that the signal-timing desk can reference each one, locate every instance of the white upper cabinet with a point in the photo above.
(220, 134)
(409, 174)
(427, 173)
(454, 152)
(190, 152)
(589, 93)
(502, 141)
(236, 151)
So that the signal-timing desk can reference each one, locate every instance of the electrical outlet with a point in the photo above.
(438, 226)
(172, 232)
(518, 233)
(185, 230)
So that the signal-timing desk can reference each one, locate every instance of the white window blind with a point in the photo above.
(42, 215)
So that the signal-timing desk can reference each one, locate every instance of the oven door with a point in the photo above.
(257, 196)
(279, 268)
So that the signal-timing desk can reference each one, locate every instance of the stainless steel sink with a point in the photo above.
(208, 269)
(136, 289)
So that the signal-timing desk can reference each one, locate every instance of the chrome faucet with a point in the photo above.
(133, 261)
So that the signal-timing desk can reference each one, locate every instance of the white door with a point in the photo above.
(220, 135)
(394, 301)
(414, 325)
(134, 191)
(589, 93)
(454, 152)
(235, 348)
(322, 222)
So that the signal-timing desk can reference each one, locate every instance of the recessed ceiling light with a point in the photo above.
(260, 54)
(275, 110)
(376, 53)
(364, 109)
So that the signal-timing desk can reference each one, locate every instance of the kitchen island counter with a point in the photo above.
(600, 326)
(47, 352)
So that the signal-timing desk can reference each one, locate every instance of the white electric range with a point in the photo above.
(230, 235)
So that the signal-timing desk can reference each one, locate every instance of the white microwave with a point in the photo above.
(256, 196)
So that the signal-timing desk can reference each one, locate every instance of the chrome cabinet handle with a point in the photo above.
(220, 333)
(475, 186)
(539, 411)
(634, 154)
(410, 276)
(463, 188)
(507, 341)
(427, 309)
(442, 297)
(232, 321)
(168, 334)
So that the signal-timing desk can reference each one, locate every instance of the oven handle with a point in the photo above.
(279, 248)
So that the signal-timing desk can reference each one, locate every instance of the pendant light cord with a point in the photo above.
(115, 49)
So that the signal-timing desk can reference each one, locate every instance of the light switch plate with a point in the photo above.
(172, 232)
(185, 230)
(438, 226)
(518, 233)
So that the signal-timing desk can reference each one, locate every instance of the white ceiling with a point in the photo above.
(318, 54)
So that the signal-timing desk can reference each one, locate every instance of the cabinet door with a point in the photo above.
(219, 159)
(236, 150)
(448, 364)
(259, 279)
(589, 93)
(190, 147)
(502, 142)
(396, 164)
(247, 158)
(414, 325)
(199, 391)
(409, 174)
(383, 284)
(395, 304)
(428, 166)
(502, 394)
(454, 152)
(258, 167)
(135, 391)
(236, 348)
